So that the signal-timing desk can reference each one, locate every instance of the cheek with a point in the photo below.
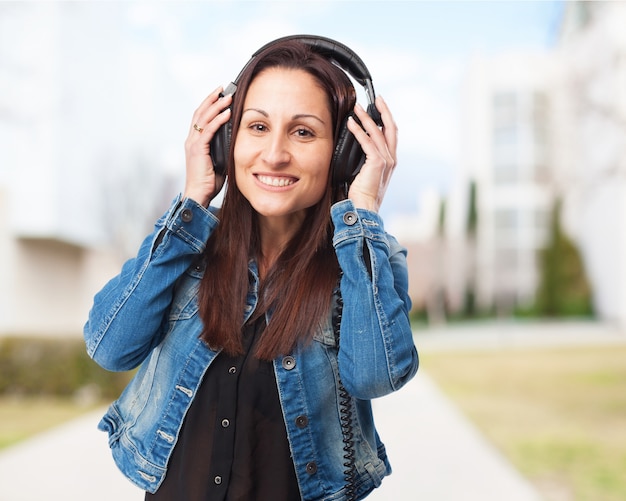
(324, 167)
(321, 183)
(239, 159)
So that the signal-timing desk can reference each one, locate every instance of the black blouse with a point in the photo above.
(233, 443)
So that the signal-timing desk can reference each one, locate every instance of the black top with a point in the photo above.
(233, 442)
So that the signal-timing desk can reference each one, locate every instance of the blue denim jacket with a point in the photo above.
(148, 315)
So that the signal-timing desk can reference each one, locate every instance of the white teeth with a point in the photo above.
(275, 181)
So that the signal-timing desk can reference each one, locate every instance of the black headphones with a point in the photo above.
(348, 157)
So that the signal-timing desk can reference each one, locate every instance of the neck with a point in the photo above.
(275, 233)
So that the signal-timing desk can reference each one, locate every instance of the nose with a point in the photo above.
(276, 152)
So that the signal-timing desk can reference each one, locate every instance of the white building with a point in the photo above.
(59, 166)
(542, 126)
(506, 135)
(591, 146)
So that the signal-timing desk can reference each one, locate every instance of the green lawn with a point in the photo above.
(559, 414)
(21, 418)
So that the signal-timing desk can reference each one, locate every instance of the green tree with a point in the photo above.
(563, 289)
(469, 297)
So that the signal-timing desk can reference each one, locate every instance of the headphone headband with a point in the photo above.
(337, 52)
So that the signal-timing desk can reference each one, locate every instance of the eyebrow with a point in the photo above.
(294, 117)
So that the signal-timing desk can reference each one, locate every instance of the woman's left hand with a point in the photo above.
(379, 145)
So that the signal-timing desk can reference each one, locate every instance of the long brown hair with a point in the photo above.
(298, 288)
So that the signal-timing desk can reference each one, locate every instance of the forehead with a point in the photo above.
(288, 84)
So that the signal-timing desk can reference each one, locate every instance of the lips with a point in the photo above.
(276, 182)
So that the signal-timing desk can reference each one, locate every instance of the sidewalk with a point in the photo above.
(436, 456)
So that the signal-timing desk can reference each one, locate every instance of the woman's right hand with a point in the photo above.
(201, 183)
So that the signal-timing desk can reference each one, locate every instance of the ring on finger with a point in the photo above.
(198, 128)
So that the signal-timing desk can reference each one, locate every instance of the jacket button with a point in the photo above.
(311, 468)
(217, 480)
(349, 218)
(289, 362)
(302, 421)
(225, 423)
(186, 215)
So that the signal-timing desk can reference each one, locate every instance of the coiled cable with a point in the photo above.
(345, 410)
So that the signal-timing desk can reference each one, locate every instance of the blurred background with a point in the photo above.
(509, 193)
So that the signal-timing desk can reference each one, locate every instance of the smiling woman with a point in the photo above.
(265, 327)
(282, 152)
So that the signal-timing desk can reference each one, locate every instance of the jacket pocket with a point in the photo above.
(325, 334)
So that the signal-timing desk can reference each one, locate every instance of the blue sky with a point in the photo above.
(136, 71)
(416, 51)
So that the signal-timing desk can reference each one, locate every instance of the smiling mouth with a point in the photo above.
(276, 181)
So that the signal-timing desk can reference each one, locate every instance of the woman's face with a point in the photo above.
(284, 145)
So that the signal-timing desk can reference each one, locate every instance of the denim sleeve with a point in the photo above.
(129, 314)
(377, 354)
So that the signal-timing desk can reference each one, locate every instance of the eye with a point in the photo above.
(304, 133)
(257, 127)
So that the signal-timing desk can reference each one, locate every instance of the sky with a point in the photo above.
(128, 75)
(416, 52)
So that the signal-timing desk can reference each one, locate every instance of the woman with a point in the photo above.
(263, 328)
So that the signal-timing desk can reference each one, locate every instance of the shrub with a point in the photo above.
(54, 367)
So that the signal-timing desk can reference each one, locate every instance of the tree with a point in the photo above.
(469, 298)
(563, 288)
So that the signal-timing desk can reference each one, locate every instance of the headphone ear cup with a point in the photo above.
(348, 157)
(220, 148)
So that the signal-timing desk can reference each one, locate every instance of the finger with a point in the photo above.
(372, 130)
(198, 142)
(212, 106)
(390, 128)
(373, 142)
(368, 146)
(205, 104)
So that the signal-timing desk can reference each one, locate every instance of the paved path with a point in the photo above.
(435, 453)
(436, 456)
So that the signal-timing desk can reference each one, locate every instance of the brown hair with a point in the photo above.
(298, 288)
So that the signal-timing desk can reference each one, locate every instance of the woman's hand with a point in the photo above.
(379, 145)
(201, 183)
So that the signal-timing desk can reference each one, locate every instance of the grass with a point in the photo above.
(559, 414)
(21, 418)
(47, 381)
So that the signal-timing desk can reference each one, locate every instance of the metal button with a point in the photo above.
(349, 218)
(217, 480)
(311, 468)
(232, 370)
(225, 423)
(289, 362)
(302, 421)
(186, 215)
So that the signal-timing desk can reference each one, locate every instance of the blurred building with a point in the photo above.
(65, 181)
(590, 144)
(507, 157)
(47, 282)
(537, 128)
